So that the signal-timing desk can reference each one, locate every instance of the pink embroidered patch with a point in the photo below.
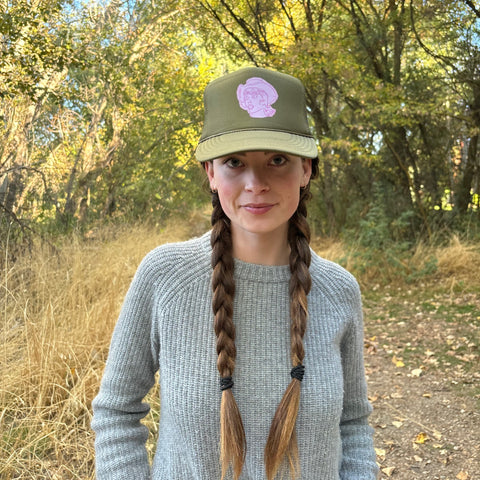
(257, 97)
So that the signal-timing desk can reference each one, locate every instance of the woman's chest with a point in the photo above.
(190, 380)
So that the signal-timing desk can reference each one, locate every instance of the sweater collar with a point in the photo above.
(262, 273)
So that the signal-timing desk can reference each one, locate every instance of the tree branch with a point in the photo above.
(257, 13)
(232, 34)
(321, 14)
(14, 217)
(449, 61)
(475, 10)
(290, 19)
(264, 47)
(32, 169)
(352, 10)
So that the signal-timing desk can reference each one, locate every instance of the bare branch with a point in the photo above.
(15, 219)
(475, 10)
(209, 8)
(264, 47)
(31, 169)
(290, 19)
(450, 61)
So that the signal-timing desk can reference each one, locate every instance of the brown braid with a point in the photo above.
(282, 442)
(232, 434)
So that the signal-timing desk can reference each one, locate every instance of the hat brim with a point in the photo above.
(256, 140)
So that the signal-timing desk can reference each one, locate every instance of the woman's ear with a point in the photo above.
(307, 170)
(210, 174)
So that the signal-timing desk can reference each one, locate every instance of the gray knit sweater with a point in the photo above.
(166, 325)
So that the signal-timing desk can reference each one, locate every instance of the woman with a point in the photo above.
(244, 305)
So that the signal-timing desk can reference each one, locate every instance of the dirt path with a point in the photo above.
(423, 428)
(423, 368)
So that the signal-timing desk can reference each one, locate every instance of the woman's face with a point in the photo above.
(259, 191)
(255, 100)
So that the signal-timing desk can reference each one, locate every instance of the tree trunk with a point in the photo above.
(463, 195)
(322, 129)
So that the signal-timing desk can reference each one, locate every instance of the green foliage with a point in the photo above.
(380, 228)
(35, 43)
(383, 245)
(101, 108)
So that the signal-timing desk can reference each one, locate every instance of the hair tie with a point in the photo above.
(298, 372)
(226, 383)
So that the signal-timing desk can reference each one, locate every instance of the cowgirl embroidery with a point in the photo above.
(257, 97)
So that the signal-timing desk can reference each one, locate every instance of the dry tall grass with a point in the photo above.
(58, 310)
(459, 260)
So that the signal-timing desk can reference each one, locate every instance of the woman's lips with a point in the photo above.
(258, 208)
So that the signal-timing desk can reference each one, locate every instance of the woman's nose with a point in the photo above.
(257, 181)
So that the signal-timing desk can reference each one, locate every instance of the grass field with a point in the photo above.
(59, 305)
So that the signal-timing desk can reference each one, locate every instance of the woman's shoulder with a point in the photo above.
(335, 285)
(178, 259)
(194, 247)
(330, 276)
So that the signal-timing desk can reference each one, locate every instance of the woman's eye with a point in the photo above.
(233, 162)
(279, 160)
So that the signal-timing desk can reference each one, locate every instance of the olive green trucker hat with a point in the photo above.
(255, 109)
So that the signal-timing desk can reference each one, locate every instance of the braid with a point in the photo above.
(232, 434)
(282, 443)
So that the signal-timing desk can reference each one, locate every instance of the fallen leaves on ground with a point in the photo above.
(421, 438)
(422, 355)
(388, 471)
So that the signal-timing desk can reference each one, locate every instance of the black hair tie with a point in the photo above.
(298, 372)
(226, 383)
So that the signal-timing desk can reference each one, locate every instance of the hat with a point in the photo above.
(255, 109)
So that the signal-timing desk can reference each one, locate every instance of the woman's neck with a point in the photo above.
(262, 249)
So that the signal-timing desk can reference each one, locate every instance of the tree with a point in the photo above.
(34, 58)
(376, 97)
(151, 76)
(101, 104)
(109, 125)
